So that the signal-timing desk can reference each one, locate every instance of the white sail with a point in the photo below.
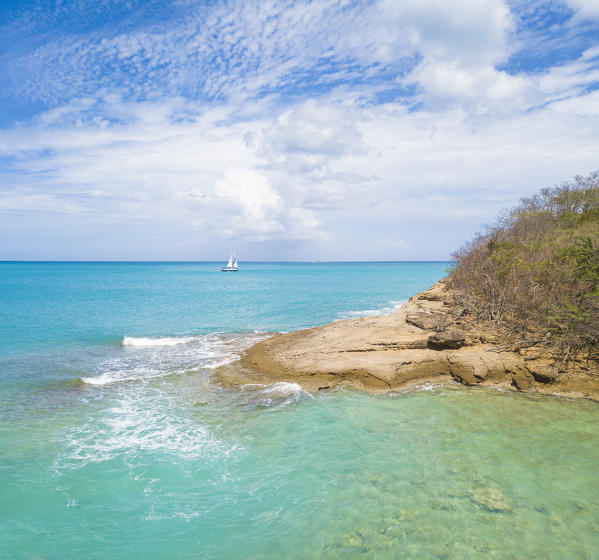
(231, 265)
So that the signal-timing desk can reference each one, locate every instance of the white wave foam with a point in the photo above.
(217, 363)
(122, 376)
(386, 310)
(119, 371)
(137, 423)
(103, 379)
(429, 387)
(277, 395)
(283, 389)
(162, 341)
(147, 358)
(142, 416)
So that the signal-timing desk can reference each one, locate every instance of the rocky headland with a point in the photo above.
(429, 339)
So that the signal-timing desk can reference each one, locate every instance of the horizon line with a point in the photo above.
(214, 261)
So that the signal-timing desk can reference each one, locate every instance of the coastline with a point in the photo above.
(424, 341)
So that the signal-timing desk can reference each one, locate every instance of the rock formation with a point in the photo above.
(425, 340)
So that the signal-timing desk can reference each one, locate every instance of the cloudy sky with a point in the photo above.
(285, 130)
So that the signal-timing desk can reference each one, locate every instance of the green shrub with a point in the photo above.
(535, 273)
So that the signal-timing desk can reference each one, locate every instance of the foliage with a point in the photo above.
(535, 273)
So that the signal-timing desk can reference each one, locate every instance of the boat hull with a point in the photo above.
(229, 269)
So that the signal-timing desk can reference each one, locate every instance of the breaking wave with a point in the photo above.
(163, 341)
(275, 395)
(138, 419)
(283, 389)
(142, 359)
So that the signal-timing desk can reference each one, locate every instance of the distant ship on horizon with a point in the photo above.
(232, 265)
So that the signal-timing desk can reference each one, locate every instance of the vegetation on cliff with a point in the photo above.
(535, 273)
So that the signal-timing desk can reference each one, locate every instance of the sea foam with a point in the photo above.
(162, 341)
(139, 422)
(283, 389)
(146, 358)
(276, 395)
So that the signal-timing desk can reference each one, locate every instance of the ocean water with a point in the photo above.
(116, 443)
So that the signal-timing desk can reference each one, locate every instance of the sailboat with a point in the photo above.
(232, 265)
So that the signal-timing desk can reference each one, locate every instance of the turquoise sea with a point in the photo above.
(115, 442)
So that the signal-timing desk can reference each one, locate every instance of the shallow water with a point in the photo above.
(126, 449)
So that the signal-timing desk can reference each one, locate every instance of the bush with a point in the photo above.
(535, 273)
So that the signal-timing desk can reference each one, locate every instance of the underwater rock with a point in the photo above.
(380, 482)
(354, 541)
(395, 532)
(491, 499)
(365, 532)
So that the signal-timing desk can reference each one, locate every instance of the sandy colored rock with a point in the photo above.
(427, 321)
(470, 368)
(523, 381)
(447, 339)
(392, 352)
(542, 371)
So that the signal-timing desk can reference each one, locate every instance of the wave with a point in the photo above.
(103, 379)
(393, 306)
(145, 341)
(125, 375)
(276, 395)
(281, 394)
(146, 358)
(283, 389)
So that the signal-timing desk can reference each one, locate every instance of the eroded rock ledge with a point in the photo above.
(425, 340)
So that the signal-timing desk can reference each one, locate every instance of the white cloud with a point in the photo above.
(460, 43)
(256, 202)
(25, 201)
(382, 164)
(591, 53)
(314, 128)
(586, 8)
(233, 49)
(569, 79)
(479, 89)
(583, 106)
(262, 122)
(239, 50)
(471, 32)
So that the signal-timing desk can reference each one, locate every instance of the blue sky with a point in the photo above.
(285, 130)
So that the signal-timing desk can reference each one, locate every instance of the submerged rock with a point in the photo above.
(354, 541)
(491, 499)
(365, 532)
(380, 481)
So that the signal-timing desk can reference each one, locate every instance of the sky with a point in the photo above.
(285, 130)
